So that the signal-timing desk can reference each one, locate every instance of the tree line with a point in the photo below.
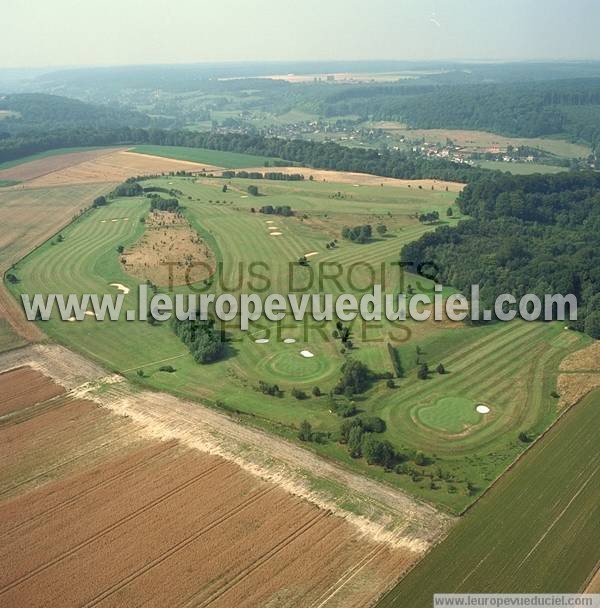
(535, 234)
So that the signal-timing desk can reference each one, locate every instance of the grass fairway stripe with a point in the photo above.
(535, 531)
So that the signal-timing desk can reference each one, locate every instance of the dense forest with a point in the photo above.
(566, 107)
(528, 234)
(36, 112)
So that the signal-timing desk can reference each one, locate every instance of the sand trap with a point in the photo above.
(272, 228)
(103, 221)
(482, 409)
(115, 220)
(307, 354)
(289, 341)
(89, 313)
(275, 233)
(262, 341)
(244, 196)
(270, 221)
(308, 255)
(120, 287)
(71, 319)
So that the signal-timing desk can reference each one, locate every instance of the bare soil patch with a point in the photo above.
(115, 167)
(365, 179)
(25, 386)
(170, 252)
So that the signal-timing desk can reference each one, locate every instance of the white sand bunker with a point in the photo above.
(244, 196)
(262, 341)
(482, 409)
(115, 219)
(289, 341)
(89, 313)
(275, 233)
(103, 221)
(71, 319)
(308, 255)
(306, 354)
(270, 221)
(120, 287)
(272, 228)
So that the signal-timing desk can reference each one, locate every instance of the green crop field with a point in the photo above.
(520, 168)
(535, 532)
(229, 160)
(509, 367)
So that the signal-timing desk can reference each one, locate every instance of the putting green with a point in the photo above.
(450, 414)
(291, 365)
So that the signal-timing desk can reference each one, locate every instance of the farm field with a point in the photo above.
(80, 484)
(512, 368)
(38, 165)
(535, 531)
(229, 160)
(55, 152)
(478, 141)
(520, 168)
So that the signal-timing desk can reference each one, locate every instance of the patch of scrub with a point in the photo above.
(482, 409)
(275, 233)
(450, 414)
(306, 354)
(120, 287)
(262, 341)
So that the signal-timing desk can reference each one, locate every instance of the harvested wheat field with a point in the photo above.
(170, 252)
(365, 179)
(115, 167)
(50, 164)
(95, 513)
(579, 375)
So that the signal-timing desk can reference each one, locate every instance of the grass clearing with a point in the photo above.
(229, 160)
(520, 168)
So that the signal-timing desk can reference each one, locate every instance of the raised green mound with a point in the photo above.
(289, 365)
(450, 414)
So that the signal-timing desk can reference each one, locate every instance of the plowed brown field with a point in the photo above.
(23, 387)
(91, 514)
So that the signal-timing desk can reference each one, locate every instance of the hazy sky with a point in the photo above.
(109, 32)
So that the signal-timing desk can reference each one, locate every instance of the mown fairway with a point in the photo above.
(510, 367)
(229, 160)
(535, 532)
